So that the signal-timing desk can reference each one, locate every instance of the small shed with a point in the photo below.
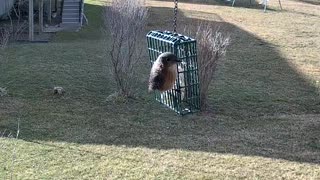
(69, 15)
(52, 15)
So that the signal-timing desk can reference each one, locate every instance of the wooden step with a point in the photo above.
(77, 16)
(70, 20)
(71, 7)
(71, 3)
(71, 15)
(70, 26)
(66, 11)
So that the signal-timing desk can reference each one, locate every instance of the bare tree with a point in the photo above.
(125, 20)
(212, 45)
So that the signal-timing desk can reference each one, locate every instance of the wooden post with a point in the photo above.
(49, 11)
(31, 23)
(265, 5)
(280, 4)
(40, 16)
(55, 5)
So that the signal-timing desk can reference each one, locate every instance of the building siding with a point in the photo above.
(5, 6)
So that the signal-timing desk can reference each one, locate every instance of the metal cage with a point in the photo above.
(185, 96)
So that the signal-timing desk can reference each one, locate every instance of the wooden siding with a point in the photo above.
(5, 6)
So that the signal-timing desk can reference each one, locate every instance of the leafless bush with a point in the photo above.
(212, 45)
(19, 29)
(16, 27)
(4, 36)
(20, 24)
(125, 20)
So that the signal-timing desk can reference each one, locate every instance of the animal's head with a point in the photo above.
(168, 59)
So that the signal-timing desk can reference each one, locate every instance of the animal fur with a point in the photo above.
(163, 72)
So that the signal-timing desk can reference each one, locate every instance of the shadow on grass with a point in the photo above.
(250, 4)
(252, 87)
(313, 2)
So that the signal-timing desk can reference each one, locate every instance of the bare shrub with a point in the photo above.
(4, 36)
(212, 45)
(20, 24)
(16, 27)
(19, 29)
(125, 20)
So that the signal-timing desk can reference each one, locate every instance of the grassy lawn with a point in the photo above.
(263, 121)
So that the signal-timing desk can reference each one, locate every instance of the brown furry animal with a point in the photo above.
(163, 72)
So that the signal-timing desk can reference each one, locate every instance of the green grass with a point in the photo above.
(263, 121)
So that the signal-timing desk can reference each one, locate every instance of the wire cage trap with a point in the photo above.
(184, 98)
